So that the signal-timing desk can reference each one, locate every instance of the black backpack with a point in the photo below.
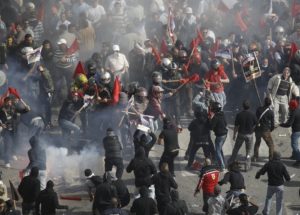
(96, 180)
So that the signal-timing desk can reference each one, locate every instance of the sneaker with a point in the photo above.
(7, 165)
(14, 157)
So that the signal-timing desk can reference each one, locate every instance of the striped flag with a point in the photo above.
(171, 25)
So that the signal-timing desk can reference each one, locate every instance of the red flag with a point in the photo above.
(295, 9)
(41, 11)
(164, 47)
(116, 90)
(223, 7)
(171, 25)
(194, 78)
(293, 50)
(73, 48)
(198, 40)
(156, 55)
(13, 91)
(79, 70)
(240, 22)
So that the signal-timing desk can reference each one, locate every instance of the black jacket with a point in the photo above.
(104, 193)
(163, 182)
(143, 169)
(69, 109)
(112, 146)
(266, 123)
(276, 172)
(218, 124)
(49, 202)
(235, 178)
(199, 129)
(29, 189)
(144, 206)
(178, 207)
(294, 120)
(122, 191)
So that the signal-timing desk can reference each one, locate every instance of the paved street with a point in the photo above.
(67, 173)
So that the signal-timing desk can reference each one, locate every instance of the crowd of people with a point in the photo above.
(125, 74)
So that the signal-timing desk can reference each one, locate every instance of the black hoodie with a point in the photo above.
(163, 182)
(199, 128)
(143, 168)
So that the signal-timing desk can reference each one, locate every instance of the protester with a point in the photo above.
(217, 204)
(246, 206)
(144, 205)
(209, 177)
(177, 206)
(163, 182)
(48, 201)
(29, 190)
(277, 174)
(113, 153)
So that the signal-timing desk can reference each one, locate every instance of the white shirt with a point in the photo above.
(216, 205)
(95, 14)
(116, 62)
(66, 23)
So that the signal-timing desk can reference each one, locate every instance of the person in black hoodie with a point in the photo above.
(235, 179)
(163, 182)
(169, 135)
(48, 200)
(277, 174)
(144, 205)
(177, 206)
(141, 140)
(37, 158)
(29, 190)
(200, 137)
(142, 167)
(219, 125)
(122, 192)
(104, 193)
(113, 153)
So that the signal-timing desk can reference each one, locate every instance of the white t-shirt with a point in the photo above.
(95, 14)
(116, 62)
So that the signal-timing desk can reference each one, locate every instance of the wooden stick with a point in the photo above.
(30, 71)
(136, 114)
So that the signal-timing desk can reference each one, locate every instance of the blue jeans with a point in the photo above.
(278, 190)
(68, 126)
(295, 137)
(219, 142)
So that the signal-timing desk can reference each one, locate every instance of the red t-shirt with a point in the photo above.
(212, 77)
(208, 181)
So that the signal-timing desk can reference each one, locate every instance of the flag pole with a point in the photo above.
(257, 92)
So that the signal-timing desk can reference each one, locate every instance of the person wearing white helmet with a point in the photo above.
(187, 26)
(117, 64)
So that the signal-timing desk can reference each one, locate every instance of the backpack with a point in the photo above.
(96, 180)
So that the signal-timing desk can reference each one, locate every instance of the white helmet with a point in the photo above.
(105, 77)
(166, 63)
(116, 48)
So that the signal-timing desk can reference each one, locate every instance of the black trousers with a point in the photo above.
(169, 157)
(118, 163)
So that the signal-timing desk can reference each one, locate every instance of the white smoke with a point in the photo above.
(68, 169)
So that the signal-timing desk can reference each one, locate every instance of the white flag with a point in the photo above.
(34, 55)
